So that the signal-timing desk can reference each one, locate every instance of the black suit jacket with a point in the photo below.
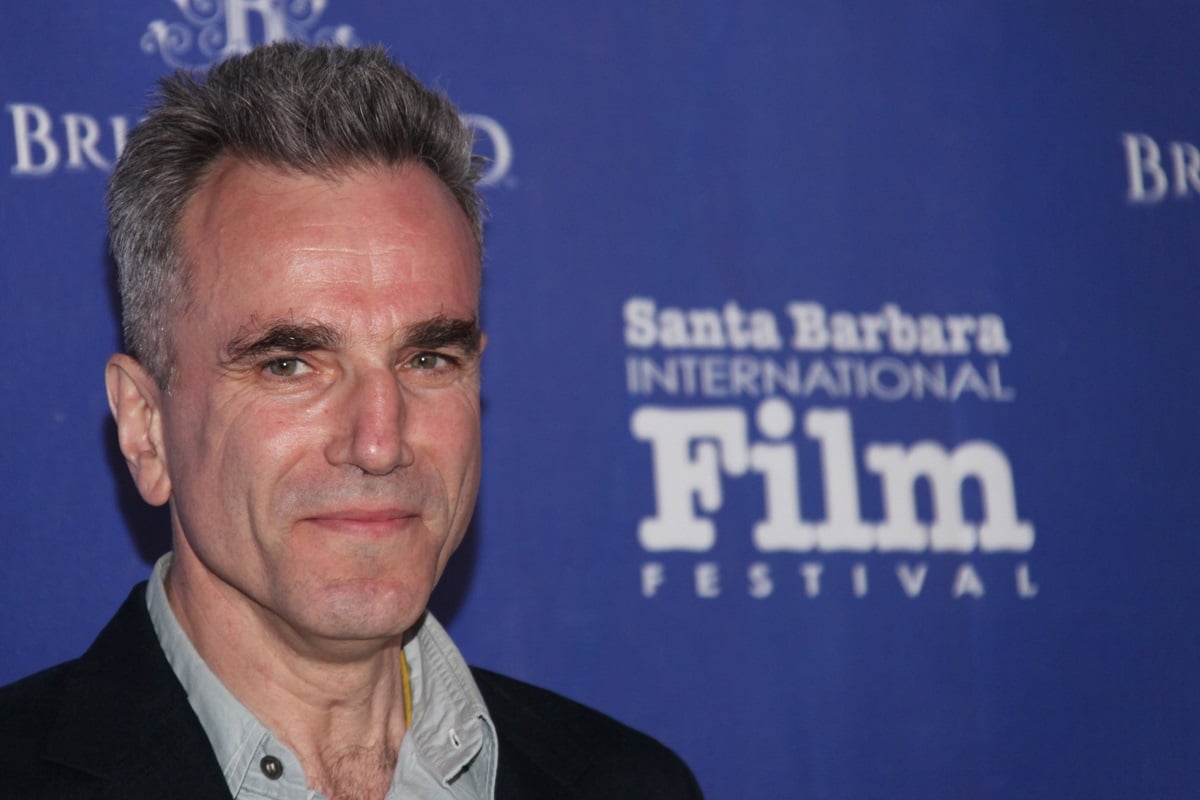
(116, 723)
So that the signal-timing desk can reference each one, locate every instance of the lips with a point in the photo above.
(369, 522)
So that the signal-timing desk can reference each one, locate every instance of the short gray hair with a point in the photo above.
(314, 110)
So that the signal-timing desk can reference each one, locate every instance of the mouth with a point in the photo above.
(369, 523)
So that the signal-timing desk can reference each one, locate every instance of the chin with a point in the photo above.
(368, 611)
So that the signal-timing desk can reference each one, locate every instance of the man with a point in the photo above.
(298, 239)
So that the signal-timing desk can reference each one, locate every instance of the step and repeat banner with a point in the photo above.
(840, 404)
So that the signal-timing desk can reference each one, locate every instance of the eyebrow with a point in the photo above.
(291, 337)
(443, 331)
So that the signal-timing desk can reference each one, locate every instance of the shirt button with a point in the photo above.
(272, 767)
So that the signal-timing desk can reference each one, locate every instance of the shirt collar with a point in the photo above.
(451, 743)
(451, 725)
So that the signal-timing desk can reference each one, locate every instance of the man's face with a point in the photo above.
(321, 433)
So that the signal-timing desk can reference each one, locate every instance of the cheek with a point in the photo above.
(455, 437)
(265, 446)
(236, 454)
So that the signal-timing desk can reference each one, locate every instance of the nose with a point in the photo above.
(372, 433)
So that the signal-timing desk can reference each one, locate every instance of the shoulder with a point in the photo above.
(34, 694)
(547, 737)
(30, 705)
(30, 709)
(116, 716)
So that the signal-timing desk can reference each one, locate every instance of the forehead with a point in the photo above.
(257, 238)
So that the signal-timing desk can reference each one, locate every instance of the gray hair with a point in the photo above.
(321, 111)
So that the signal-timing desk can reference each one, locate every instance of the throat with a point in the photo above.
(357, 773)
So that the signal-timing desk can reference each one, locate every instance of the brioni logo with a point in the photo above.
(215, 29)
(212, 30)
(1156, 172)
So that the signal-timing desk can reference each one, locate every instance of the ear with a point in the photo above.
(135, 400)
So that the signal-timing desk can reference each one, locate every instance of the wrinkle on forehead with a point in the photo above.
(305, 221)
(259, 187)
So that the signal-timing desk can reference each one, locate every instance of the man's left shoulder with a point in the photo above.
(545, 736)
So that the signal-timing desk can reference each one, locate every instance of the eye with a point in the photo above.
(430, 361)
(285, 367)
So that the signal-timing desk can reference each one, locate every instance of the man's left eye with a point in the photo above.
(285, 367)
(428, 361)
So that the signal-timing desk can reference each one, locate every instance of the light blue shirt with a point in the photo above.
(449, 751)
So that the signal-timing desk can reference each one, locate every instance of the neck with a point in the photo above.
(340, 707)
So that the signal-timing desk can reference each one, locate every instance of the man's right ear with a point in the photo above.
(136, 402)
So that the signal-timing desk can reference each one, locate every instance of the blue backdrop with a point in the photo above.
(839, 423)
